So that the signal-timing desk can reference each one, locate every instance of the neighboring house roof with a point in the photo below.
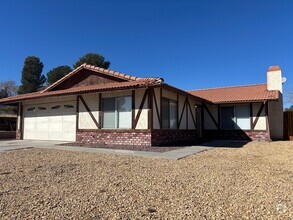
(234, 94)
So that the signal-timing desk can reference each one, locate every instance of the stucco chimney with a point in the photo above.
(274, 78)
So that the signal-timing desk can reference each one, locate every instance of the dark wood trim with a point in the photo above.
(177, 111)
(132, 109)
(77, 112)
(115, 130)
(161, 108)
(157, 108)
(186, 119)
(219, 117)
(190, 109)
(251, 114)
(202, 118)
(212, 117)
(89, 111)
(140, 108)
(21, 118)
(181, 115)
(150, 108)
(257, 116)
(100, 110)
(267, 120)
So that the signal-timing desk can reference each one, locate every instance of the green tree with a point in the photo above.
(8, 88)
(32, 78)
(57, 73)
(290, 109)
(3, 93)
(92, 59)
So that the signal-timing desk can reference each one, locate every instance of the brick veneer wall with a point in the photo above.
(174, 137)
(138, 138)
(237, 135)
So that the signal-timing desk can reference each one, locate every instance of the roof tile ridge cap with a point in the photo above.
(226, 87)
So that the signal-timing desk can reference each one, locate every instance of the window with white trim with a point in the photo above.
(116, 112)
(169, 113)
(235, 117)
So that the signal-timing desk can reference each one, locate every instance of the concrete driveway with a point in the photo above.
(26, 144)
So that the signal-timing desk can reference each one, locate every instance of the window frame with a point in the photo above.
(169, 101)
(235, 118)
(116, 113)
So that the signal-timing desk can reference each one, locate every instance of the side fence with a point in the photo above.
(288, 125)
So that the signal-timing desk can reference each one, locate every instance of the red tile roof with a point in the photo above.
(103, 71)
(247, 93)
(117, 86)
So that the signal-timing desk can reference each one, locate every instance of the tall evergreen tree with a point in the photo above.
(92, 59)
(32, 78)
(57, 73)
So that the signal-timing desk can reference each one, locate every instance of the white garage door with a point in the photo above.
(50, 121)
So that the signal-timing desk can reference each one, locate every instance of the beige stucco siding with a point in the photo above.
(143, 119)
(276, 119)
(192, 112)
(208, 122)
(261, 123)
(49, 100)
(85, 121)
(156, 121)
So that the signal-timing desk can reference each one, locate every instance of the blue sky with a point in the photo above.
(191, 44)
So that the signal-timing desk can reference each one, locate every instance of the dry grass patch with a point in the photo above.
(224, 183)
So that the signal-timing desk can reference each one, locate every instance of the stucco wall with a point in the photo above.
(276, 119)
(156, 121)
(261, 123)
(84, 120)
(187, 121)
(143, 119)
(210, 125)
(208, 122)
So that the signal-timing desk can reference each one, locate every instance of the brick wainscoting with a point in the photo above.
(174, 137)
(237, 135)
(139, 138)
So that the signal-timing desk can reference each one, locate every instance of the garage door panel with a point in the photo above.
(50, 121)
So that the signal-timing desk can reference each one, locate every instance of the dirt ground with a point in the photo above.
(252, 182)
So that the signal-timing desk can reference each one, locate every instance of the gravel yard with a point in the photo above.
(253, 182)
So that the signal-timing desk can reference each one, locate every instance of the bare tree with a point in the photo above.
(8, 88)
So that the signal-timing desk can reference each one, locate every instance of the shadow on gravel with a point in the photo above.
(225, 143)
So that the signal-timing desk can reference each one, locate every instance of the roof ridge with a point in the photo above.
(226, 87)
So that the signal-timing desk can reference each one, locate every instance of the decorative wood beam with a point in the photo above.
(150, 108)
(77, 112)
(100, 110)
(133, 108)
(193, 119)
(89, 111)
(251, 115)
(161, 107)
(257, 116)
(177, 115)
(157, 108)
(181, 115)
(210, 114)
(140, 108)
(219, 117)
(267, 120)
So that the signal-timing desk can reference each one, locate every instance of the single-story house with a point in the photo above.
(93, 105)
